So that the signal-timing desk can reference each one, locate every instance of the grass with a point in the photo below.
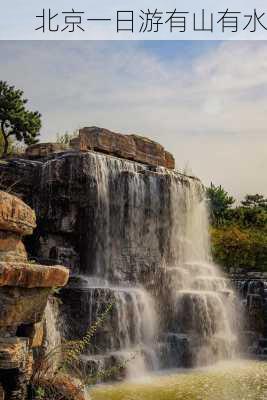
(62, 359)
(243, 380)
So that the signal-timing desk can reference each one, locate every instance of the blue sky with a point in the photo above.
(169, 51)
(206, 102)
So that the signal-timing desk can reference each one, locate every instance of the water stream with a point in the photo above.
(144, 247)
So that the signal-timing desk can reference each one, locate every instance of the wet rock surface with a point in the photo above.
(113, 222)
(19, 177)
(116, 224)
(252, 289)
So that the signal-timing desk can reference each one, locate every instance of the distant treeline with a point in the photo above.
(238, 233)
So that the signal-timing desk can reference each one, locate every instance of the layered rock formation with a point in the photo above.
(133, 233)
(130, 147)
(40, 150)
(127, 230)
(252, 288)
(24, 291)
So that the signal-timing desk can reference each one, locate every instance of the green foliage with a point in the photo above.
(43, 381)
(237, 247)
(220, 203)
(39, 393)
(254, 200)
(248, 217)
(15, 120)
(14, 147)
(239, 235)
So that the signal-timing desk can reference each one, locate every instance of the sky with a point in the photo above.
(206, 102)
(18, 19)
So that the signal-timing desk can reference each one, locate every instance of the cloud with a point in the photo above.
(209, 109)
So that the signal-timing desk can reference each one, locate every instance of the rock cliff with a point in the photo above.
(122, 228)
(132, 231)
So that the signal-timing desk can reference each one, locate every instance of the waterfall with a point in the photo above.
(52, 336)
(202, 299)
(141, 234)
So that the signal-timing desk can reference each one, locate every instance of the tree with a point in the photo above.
(220, 203)
(254, 200)
(15, 119)
(14, 147)
(237, 247)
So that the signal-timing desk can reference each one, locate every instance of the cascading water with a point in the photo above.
(141, 234)
(203, 302)
(52, 334)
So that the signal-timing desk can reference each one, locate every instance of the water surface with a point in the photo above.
(239, 380)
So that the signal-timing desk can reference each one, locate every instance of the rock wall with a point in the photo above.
(62, 235)
(124, 230)
(24, 292)
(112, 220)
(252, 289)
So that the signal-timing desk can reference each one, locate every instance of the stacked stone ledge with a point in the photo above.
(24, 292)
(131, 147)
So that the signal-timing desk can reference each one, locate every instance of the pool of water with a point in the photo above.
(238, 380)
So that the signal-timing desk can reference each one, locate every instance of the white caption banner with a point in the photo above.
(133, 20)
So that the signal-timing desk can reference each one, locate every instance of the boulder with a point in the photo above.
(11, 247)
(131, 147)
(148, 152)
(15, 215)
(106, 141)
(32, 275)
(22, 306)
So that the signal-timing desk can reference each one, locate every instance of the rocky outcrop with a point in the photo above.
(16, 220)
(32, 275)
(40, 150)
(252, 291)
(131, 147)
(12, 247)
(15, 215)
(24, 291)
